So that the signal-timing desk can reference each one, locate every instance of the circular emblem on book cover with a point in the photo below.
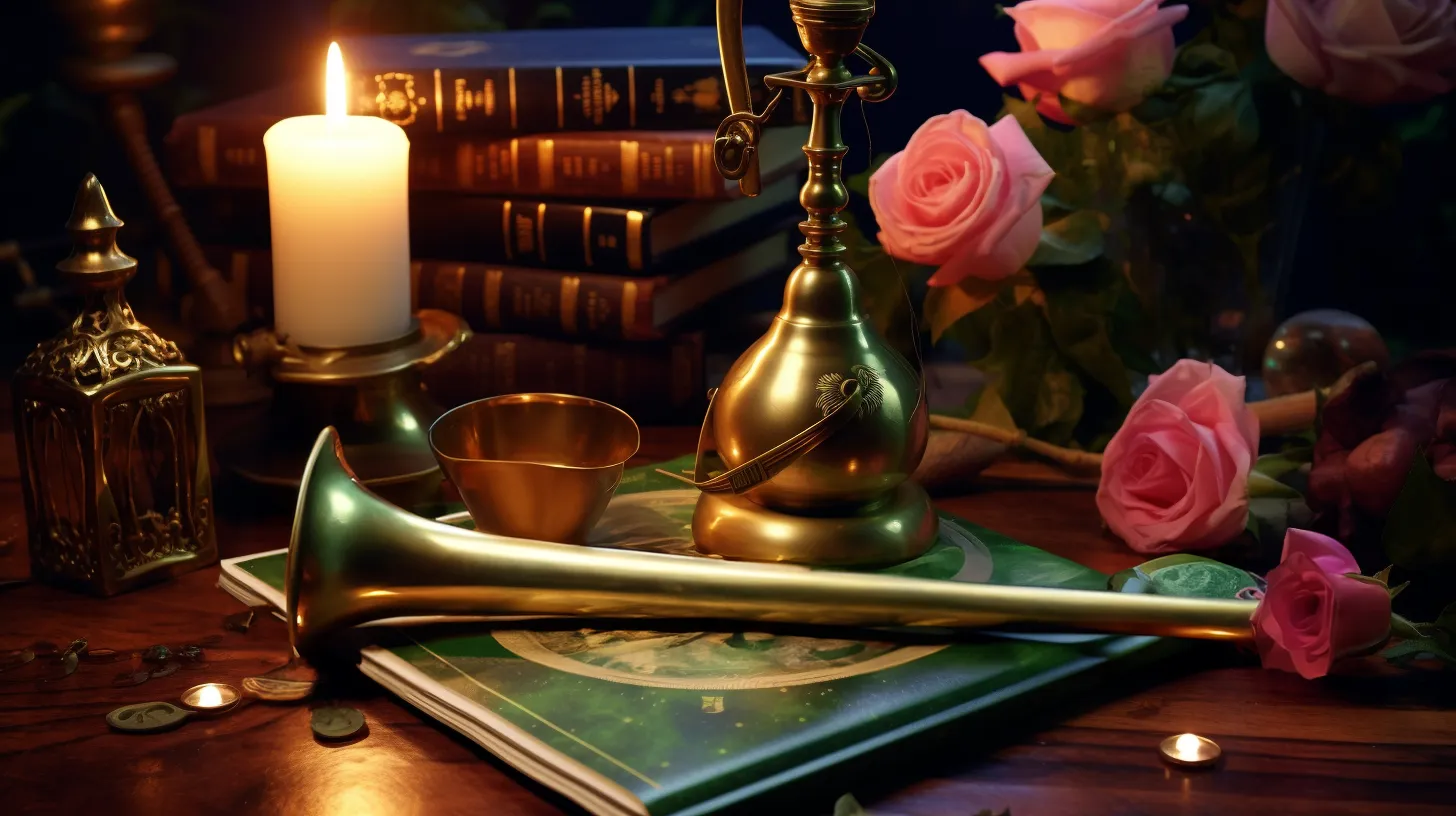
(661, 521)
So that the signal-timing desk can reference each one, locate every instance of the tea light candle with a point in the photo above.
(211, 697)
(338, 198)
(1190, 751)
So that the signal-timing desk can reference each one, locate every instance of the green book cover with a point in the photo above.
(684, 723)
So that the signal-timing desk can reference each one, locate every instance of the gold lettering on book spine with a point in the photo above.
(634, 239)
(629, 307)
(560, 100)
(632, 96)
(698, 164)
(515, 165)
(546, 164)
(207, 153)
(541, 230)
(511, 80)
(439, 103)
(493, 279)
(487, 98)
(668, 165)
(630, 157)
(465, 165)
(507, 235)
(570, 292)
(586, 235)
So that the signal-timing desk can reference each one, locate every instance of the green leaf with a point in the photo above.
(1083, 114)
(1446, 621)
(991, 409)
(1396, 590)
(1384, 575)
(1072, 240)
(1420, 530)
(1261, 486)
(946, 305)
(859, 183)
(1030, 374)
(1413, 648)
(1402, 628)
(847, 805)
(1278, 465)
(1271, 517)
(1080, 302)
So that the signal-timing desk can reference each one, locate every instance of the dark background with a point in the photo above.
(51, 135)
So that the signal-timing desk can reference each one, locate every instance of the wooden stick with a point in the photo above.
(1286, 414)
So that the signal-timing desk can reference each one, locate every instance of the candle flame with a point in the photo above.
(209, 697)
(334, 99)
(1186, 746)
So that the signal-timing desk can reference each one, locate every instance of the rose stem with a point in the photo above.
(1277, 416)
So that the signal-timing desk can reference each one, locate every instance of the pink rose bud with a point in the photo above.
(1309, 618)
(1367, 51)
(1176, 475)
(962, 196)
(1105, 54)
(1376, 469)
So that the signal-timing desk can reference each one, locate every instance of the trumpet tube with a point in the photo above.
(355, 558)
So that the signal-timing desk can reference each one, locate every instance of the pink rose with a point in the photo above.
(1367, 51)
(1326, 553)
(1105, 54)
(1175, 477)
(962, 196)
(1312, 614)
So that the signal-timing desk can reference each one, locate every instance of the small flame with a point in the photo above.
(1187, 746)
(209, 697)
(334, 99)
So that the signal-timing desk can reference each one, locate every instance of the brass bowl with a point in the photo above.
(538, 466)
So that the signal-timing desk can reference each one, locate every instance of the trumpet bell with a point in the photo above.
(355, 558)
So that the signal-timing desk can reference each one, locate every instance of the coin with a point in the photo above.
(275, 690)
(147, 717)
(336, 722)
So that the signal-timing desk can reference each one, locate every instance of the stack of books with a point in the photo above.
(563, 199)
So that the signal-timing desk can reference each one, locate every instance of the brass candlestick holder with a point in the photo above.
(371, 394)
(820, 423)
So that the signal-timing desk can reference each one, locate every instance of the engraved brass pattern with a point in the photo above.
(835, 390)
(58, 540)
(104, 342)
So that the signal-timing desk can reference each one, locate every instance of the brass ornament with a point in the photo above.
(820, 423)
(354, 558)
(110, 432)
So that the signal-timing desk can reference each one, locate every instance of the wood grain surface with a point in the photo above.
(1370, 740)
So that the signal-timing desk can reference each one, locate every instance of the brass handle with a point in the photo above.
(879, 66)
(771, 462)
(735, 150)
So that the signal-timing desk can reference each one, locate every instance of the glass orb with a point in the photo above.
(1312, 349)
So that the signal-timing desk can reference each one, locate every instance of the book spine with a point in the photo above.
(655, 382)
(491, 298)
(519, 232)
(511, 101)
(655, 166)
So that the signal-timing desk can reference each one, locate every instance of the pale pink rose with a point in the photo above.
(1105, 54)
(1176, 475)
(962, 196)
(1309, 618)
(1327, 553)
(1367, 51)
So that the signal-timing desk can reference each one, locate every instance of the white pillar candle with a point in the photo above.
(338, 197)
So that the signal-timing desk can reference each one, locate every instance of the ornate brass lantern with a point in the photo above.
(108, 421)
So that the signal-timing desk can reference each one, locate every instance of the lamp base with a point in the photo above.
(372, 396)
(895, 529)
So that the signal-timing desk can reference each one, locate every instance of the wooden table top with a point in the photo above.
(1370, 740)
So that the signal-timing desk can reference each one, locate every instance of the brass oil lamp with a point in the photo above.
(109, 427)
(820, 422)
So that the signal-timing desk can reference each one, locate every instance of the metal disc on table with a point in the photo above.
(143, 718)
(336, 722)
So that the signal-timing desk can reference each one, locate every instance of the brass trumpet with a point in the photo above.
(354, 558)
